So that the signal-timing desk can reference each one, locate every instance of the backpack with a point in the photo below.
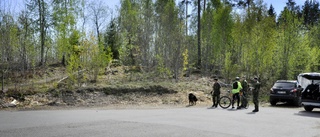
(235, 85)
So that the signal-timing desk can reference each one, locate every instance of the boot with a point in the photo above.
(256, 109)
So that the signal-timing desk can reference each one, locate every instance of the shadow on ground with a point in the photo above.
(315, 113)
(284, 105)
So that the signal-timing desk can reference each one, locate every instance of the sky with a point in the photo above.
(19, 4)
(280, 4)
(15, 6)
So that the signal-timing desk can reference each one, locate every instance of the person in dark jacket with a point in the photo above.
(244, 92)
(255, 93)
(216, 93)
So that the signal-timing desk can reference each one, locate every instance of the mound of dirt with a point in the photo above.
(151, 96)
(121, 89)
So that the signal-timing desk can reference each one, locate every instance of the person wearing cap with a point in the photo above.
(236, 87)
(216, 93)
(255, 93)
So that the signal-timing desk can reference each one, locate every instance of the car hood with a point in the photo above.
(305, 79)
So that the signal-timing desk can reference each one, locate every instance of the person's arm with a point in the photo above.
(239, 84)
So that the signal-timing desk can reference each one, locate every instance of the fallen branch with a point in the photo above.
(69, 75)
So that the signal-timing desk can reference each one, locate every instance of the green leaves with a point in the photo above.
(245, 40)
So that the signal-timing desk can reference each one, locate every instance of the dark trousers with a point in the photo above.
(244, 99)
(255, 100)
(215, 100)
(236, 97)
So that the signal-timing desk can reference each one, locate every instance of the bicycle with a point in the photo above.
(226, 100)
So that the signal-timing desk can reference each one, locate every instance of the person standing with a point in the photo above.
(244, 92)
(255, 93)
(216, 93)
(236, 87)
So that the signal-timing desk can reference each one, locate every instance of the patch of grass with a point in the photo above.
(127, 89)
(19, 94)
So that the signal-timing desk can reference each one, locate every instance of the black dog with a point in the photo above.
(192, 99)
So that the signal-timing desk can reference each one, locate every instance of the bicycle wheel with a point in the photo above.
(224, 102)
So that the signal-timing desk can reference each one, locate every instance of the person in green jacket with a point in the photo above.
(236, 87)
(255, 93)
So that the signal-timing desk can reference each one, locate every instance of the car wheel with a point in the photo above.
(308, 108)
(273, 103)
(297, 102)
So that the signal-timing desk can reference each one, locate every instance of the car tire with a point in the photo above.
(273, 103)
(308, 108)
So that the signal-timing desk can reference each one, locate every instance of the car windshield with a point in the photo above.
(284, 85)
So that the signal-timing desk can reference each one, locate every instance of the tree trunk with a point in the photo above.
(199, 37)
(42, 29)
(2, 85)
(204, 6)
(186, 17)
(97, 29)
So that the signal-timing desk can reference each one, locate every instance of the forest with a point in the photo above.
(224, 38)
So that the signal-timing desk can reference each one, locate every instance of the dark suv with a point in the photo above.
(310, 96)
(285, 91)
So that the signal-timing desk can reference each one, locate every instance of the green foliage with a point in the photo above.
(312, 42)
(74, 64)
(314, 59)
(289, 42)
(72, 69)
(170, 38)
(111, 40)
(223, 25)
(311, 13)
(64, 21)
(185, 59)
(95, 58)
(129, 24)
(161, 69)
(99, 61)
(152, 34)
(230, 69)
(74, 38)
